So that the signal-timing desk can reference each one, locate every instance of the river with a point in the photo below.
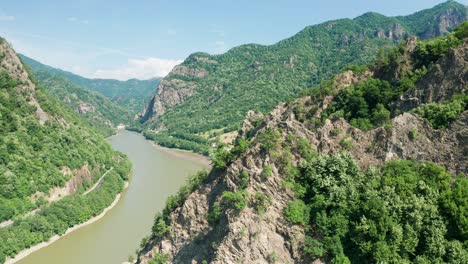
(157, 173)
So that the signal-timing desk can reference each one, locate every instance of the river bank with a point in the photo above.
(26, 252)
(184, 154)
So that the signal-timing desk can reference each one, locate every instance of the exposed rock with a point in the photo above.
(84, 108)
(11, 63)
(448, 77)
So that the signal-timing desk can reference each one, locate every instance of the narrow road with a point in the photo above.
(33, 212)
(98, 182)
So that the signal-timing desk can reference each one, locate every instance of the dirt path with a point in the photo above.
(98, 182)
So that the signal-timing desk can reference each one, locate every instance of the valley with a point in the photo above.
(346, 142)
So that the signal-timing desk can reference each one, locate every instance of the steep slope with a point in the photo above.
(208, 95)
(101, 113)
(131, 95)
(48, 157)
(345, 174)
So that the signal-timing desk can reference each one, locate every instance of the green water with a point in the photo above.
(156, 175)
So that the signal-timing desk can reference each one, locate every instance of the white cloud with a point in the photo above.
(7, 18)
(76, 20)
(139, 69)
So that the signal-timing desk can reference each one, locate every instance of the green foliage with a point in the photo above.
(313, 247)
(269, 139)
(221, 158)
(159, 227)
(443, 114)
(413, 134)
(297, 212)
(237, 200)
(256, 77)
(244, 180)
(346, 143)
(215, 214)
(56, 218)
(32, 154)
(74, 96)
(267, 171)
(405, 212)
(159, 258)
(240, 146)
(131, 95)
(261, 202)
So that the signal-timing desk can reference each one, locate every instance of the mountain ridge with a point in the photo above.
(208, 95)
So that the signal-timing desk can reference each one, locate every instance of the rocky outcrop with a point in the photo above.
(10, 63)
(443, 23)
(172, 91)
(449, 76)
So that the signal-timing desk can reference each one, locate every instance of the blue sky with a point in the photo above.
(142, 39)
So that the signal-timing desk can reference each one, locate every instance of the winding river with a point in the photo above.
(157, 173)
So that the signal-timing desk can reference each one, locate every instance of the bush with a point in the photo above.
(214, 216)
(267, 171)
(237, 200)
(269, 139)
(346, 143)
(159, 227)
(297, 212)
(442, 115)
(261, 202)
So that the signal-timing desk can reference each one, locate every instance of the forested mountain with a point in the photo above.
(208, 95)
(368, 167)
(101, 113)
(48, 157)
(131, 95)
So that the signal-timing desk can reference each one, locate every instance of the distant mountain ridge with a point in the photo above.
(131, 94)
(98, 110)
(208, 95)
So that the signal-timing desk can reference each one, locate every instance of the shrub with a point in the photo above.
(267, 171)
(214, 216)
(237, 200)
(261, 202)
(159, 226)
(346, 143)
(413, 134)
(442, 115)
(297, 212)
(244, 180)
(269, 140)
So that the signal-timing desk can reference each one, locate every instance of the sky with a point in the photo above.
(123, 39)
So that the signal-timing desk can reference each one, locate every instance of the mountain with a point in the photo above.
(208, 95)
(131, 95)
(48, 157)
(368, 167)
(101, 113)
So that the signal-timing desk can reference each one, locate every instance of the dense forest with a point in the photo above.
(101, 113)
(222, 88)
(40, 140)
(131, 95)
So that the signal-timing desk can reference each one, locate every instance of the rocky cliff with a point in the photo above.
(259, 233)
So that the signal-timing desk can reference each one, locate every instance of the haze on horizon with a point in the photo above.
(123, 40)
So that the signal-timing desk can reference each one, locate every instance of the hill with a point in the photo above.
(209, 95)
(100, 112)
(131, 95)
(49, 156)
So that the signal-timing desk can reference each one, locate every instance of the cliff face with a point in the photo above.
(251, 236)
